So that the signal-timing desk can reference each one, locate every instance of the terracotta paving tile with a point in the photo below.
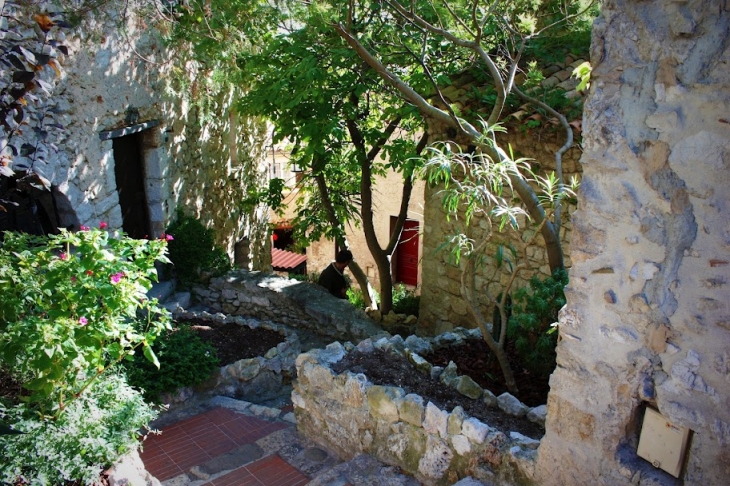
(274, 471)
(269, 471)
(210, 429)
(219, 416)
(165, 473)
(157, 460)
(240, 477)
(189, 449)
(196, 440)
(219, 440)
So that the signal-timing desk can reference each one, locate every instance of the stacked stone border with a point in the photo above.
(300, 305)
(257, 379)
(350, 415)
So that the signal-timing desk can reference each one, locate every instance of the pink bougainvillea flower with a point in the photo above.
(103, 225)
(83, 321)
(84, 228)
(169, 237)
(63, 256)
(73, 279)
(117, 277)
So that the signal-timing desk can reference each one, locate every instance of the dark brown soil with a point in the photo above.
(474, 359)
(386, 368)
(233, 342)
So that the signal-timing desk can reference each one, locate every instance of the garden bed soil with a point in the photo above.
(390, 369)
(233, 342)
(474, 359)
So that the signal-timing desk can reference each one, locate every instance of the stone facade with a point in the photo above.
(442, 305)
(646, 324)
(117, 79)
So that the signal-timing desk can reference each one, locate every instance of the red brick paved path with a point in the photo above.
(197, 440)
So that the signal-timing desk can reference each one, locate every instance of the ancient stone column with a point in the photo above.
(647, 322)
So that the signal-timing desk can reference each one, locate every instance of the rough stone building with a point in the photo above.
(442, 306)
(646, 324)
(134, 144)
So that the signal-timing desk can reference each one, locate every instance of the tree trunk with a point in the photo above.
(357, 272)
(496, 346)
(467, 130)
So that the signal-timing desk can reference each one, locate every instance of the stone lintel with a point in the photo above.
(123, 132)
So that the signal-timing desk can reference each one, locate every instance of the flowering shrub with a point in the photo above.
(71, 306)
(87, 438)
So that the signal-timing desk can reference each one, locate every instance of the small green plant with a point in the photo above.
(311, 277)
(90, 436)
(354, 295)
(70, 308)
(185, 360)
(583, 74)
(534, 311)
(193, 250)
(405, 300)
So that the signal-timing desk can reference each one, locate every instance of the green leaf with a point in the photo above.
(150, 355)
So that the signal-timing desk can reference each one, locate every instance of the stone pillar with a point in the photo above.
(648, 316)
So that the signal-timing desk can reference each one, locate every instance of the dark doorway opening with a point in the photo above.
(284, 238)
(406, 253)
(129, 173)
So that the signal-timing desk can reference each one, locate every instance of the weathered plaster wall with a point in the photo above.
(201, 160)
(442, 306)
(648, 303)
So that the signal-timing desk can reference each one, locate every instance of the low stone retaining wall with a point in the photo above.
(301, 305)
(255, 379)
(348, 414)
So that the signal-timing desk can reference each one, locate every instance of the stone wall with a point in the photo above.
(300, 305)
(350, 415)
(256, 379)
(442, 305)
(646, 324)
(201, 160)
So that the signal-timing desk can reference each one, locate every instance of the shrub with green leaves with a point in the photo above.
(193, 250)
(534, 310)
(71, 306)
(355, 297)
(185, 360)
(405, 300)
(92, 433)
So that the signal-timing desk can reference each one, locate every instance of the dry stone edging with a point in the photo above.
(350, 415)
(259, 378)
(301, 305)
(414, 346)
